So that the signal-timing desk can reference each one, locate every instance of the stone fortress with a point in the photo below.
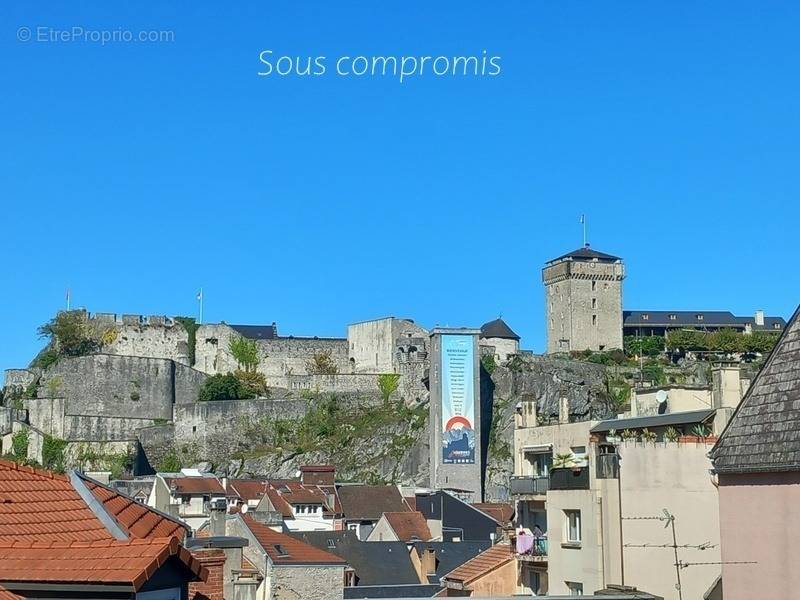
(138, 394)
(583, 307)
(140, 390)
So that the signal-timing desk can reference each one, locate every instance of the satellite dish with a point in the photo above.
(661, 397)
(244, 509)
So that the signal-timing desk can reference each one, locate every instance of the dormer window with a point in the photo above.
(673, 317)
(776, 325)
(645, 317)
(699, 317)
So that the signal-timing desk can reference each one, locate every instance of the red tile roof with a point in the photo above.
(136, 519)
(370, 501)
(248, 489)
(283, 493)
(6, 595)
(195, 485)
(105, 562)
(39, 505)
(502, 512)
(294, 551)
(408, 525)
(486, 561)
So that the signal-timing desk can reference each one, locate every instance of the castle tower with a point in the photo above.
(583, 301)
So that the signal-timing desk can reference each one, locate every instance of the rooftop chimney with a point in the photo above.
(760, 318)
(217, 509)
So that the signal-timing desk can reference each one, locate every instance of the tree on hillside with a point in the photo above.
(70, 333)
(321, 364)
(245, 352)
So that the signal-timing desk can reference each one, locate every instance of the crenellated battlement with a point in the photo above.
(113, 319)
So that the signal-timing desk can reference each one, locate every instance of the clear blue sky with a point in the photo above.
(136, 173)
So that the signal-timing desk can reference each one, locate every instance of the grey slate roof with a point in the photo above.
(450, 555)
(586, 253)
(257, 332)
(689, 417)
(689, 318)
(375, 563)
(764, 432)
(402, 592)
(498, 329)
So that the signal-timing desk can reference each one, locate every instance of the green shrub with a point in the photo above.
(70, 334)
(651, 345)
(760, 341)
(253, 384)
(223, 387)
(19, 444)
(53, 457)
(321, 364)
(169, 463)
(654, 371)
(489, 363)
(387, 384)
(191, 326)
(45, 359)
(245, 351)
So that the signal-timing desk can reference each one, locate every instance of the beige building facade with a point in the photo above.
(596, 504)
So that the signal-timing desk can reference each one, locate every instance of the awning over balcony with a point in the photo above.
(538, 448)
(679, 418)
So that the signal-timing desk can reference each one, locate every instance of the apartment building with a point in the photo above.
(597, 501)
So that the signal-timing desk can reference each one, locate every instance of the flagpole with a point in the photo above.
(200, 297)
(583, 222)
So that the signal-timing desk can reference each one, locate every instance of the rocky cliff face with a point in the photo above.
(366, 437)
(543, 380)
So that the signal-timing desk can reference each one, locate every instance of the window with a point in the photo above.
(540, 462)
(594, 320)
(645, 317)
(699, 317)
(776, 325)
(594, 285)
(575, 589)
(673, 317)
(594, 302)
(572, 526)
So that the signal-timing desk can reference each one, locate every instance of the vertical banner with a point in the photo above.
(458, 399)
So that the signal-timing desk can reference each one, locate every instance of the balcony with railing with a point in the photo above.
(529, 485)
(531, 548)
(570, 478)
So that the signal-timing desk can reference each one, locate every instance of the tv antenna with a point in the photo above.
(669, 521)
